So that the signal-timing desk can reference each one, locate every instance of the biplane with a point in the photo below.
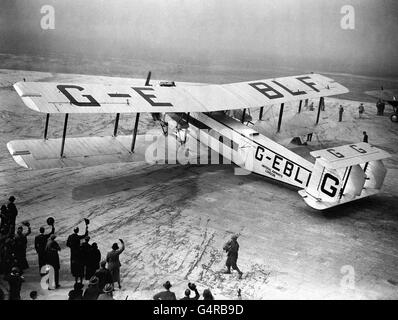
(388, 96)
(211, 116)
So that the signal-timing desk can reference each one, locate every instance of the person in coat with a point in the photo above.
(15, 281)
(104, 275)
(52, 257)
(40, 245)
(114, 263)
(93, 261)
(76, 264)
(232, 248)
(85, 251)
(4, 224)
(165, 295)
(21, 242)
(12, 212)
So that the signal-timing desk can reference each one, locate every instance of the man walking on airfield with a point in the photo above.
(232, 248)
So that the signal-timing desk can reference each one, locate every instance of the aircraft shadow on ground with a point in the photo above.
(156, 175)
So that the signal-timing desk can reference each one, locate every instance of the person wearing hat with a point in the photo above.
(15, 281)
(104, 275)
(77, 292)
(114, 262)
(192, 287)
(40, 245)
(12, 212)
(232, 248)
(107, 292)
(92, 292)
(52, 257)
(165, 295)
(73, 242)
(21, 242)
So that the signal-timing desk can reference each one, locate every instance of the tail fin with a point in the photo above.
(344, 174)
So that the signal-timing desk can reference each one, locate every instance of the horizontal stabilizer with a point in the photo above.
(344, 174)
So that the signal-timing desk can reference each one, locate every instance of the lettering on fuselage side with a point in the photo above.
(332, 187)
(294, 93)
(90, 103)
(309, 84)
(282, 166)
(149, 97)
(264, 89)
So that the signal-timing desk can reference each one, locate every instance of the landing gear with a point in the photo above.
(394, 117)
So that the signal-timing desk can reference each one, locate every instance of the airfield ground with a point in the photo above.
(175, 219)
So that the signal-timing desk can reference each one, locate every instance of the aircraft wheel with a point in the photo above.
(394, 117)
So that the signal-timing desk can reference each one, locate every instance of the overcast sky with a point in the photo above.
(249, 33)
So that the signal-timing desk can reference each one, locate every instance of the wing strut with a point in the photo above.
(260, 116)
(64, 134)
(116, 124)
(46, 126)
(137, 118)
(280, 117)
(301, 103)
(321, 103)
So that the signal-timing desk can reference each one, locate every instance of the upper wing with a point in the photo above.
(95, 98)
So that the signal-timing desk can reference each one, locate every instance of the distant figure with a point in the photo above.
(21, 242)
(309, 137)
(52, 257)
(192, 287)
(40, 245)
(239, 294)
(76, 264)
(108, 293)
(15, 281)
(232, 248)
(305, 103)
(207, 295)
(104, 275)
(93, 291)
(114, 263)
(77, 292)
(311, 107)
(361, 110)
(165, 295)
(12, 212)
(341, 110)
(380, 105)
(365, 137)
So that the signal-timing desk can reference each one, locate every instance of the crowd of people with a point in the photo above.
(85, 258)
(86, 263)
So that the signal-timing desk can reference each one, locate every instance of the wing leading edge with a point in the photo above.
(48, 97)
